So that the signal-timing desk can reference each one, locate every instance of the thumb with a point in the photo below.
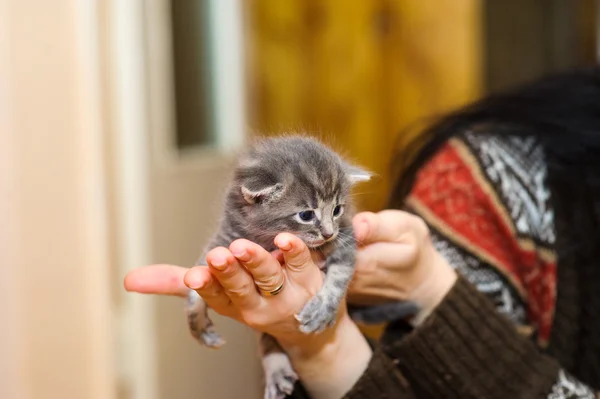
(298, 259)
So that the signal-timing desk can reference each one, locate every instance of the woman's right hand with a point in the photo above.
(328, 363)
(229, 286)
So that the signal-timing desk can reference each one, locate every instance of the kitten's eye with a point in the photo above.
(306, 216)
(337, 211)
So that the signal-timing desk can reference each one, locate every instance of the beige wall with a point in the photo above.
(55, 334)
(87, 193)
(185, 202)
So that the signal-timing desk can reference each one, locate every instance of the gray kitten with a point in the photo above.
(290, 184)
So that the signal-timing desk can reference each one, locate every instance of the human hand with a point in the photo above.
(328, 363)
(229, 286)
(396, 261)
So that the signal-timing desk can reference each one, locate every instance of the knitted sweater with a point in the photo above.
(487, 204)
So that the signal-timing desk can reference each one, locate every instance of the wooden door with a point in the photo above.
(358, 72)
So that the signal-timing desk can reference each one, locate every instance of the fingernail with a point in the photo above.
(197, 285)
(284, 244)
(241, 255)
(219, 263)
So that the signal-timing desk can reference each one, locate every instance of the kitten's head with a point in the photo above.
(296, 185)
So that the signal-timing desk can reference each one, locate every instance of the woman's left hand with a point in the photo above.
(396, 261)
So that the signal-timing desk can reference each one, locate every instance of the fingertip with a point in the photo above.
(241, 249)
(285, 241)
(362, 224)
(160, 279)
(136, 280)
(129, 281)
(197, 277)
(219, 258)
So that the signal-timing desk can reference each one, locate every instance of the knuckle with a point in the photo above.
(395, 224)
(241, 291)
(227, 272)
(254, 262)
(421, 228)
(257, 261)
(412, 253)
(270, 282)
(299, 260)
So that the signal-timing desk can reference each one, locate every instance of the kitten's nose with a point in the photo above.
(327, 234)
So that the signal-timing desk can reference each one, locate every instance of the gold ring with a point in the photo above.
(275, 291)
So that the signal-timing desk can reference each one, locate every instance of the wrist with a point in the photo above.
(332, 364)
(325, 345)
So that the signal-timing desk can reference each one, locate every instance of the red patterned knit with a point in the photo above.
(454, 196)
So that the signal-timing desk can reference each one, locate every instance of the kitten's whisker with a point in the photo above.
(348, 237)
(345, 241)
(354, 194)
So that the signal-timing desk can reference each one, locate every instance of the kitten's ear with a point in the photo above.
(356, 174)
(254, 194)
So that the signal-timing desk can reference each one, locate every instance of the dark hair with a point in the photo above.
(563, 112)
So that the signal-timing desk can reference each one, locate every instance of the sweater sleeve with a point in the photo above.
(464, 349)
(381, 379)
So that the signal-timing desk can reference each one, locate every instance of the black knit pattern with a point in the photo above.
(575, 337)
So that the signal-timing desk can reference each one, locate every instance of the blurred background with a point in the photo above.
(119, 123)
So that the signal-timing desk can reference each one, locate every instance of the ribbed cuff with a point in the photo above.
(381, 379)
(466, 349)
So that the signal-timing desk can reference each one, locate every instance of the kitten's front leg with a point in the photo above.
(321, 311)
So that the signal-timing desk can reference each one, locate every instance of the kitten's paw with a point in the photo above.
(317, 315)
(203, 330)
(211, 339)
(280, 378)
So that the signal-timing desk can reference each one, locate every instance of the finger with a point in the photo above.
(233, 277)
(388, 226)
(371, 288)
(317, 256)
(376, 266)
(298, 259)
(157, 279)
(385, 255)
(263, 266)
(201, 280)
